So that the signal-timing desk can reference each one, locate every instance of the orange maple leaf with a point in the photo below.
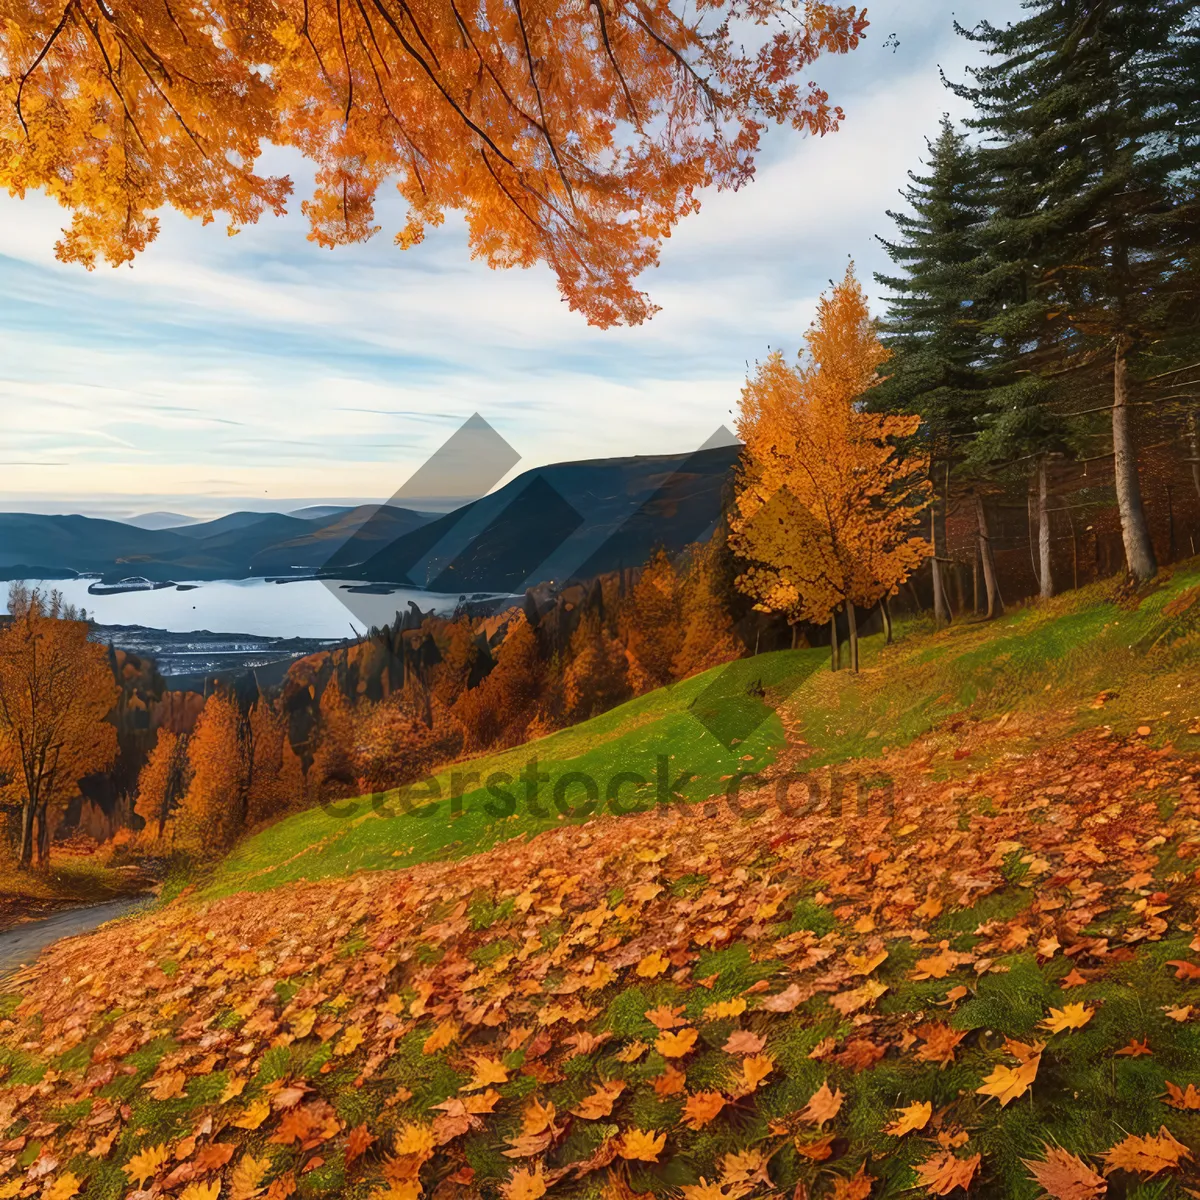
(358, 1141)
(944, 1172)
(641, 1146)
(600, 1102)
(857, 1187)
(1184, 1098)
(524, 1184)
(1009, 1083)
(1065, 1176)
(823, 1105)
(441, 1037)
(1072, 1016)
(910, 1119)
(701, 1108)
(1146, 1155)
(1135, 1049)
(742, 1041)
(675, 1045)
(940, 1042)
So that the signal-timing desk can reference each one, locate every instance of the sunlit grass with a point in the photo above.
(1048, 657)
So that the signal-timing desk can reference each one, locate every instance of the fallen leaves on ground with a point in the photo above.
(601, 1002)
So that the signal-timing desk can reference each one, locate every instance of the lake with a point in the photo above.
(306, 608)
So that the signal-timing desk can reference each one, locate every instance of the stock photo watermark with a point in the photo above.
(575, 794)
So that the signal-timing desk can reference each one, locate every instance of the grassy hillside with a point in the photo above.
(1047, 658)
(677, 723)
(978, 973)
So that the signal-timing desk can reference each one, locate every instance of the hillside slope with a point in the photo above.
(968, 961)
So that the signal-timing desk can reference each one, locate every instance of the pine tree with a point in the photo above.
(938, 365)
(1079, 109)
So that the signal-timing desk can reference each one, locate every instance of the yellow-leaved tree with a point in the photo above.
(56, 692)
(826, 507)
(567, 133)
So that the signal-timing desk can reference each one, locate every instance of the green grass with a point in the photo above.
(685, 735)
(1049, 657)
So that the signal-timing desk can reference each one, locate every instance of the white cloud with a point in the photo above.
(262, 366)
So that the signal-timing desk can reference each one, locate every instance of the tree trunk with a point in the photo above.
(885, 613)
(1074, 550)
(1171, 547)
(835, 651)
(852, 621)
(995, 605)
(1043, 515)
(937, 529)
(1194, 448)
(43, 837)
(26, 857)
(1139, 549)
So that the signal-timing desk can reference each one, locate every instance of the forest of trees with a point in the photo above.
(1042, 319)
(1023, 417)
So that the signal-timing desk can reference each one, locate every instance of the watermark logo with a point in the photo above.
(545, 792)
(490, 546)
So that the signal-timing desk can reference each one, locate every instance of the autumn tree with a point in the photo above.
(209, 816)
(596, 675)
(649, 624)
(162, 781)
(500, 709)
(575, 135)
(56, 691)
(708, 635)
(275, 781)
(826, 508)
(399, 741)
(332, 771)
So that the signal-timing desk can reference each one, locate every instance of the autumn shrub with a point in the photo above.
(398, 742)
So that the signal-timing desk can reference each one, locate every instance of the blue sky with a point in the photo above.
(262, 371)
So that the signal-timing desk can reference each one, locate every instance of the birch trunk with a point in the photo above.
(1043, 514)
(1139, 549)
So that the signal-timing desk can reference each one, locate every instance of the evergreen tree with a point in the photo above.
(939, 359)
(1078, 110)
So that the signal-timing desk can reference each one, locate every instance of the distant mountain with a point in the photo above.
(315, 511)
(237, 546)
(562, 521)
(161, 520)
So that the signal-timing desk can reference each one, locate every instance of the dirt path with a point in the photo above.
(21, 944)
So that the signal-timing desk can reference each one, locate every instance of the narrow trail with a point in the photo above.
(20, 945)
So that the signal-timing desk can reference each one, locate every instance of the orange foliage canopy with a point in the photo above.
(826, 505)
(56, 691)
(570, 133)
